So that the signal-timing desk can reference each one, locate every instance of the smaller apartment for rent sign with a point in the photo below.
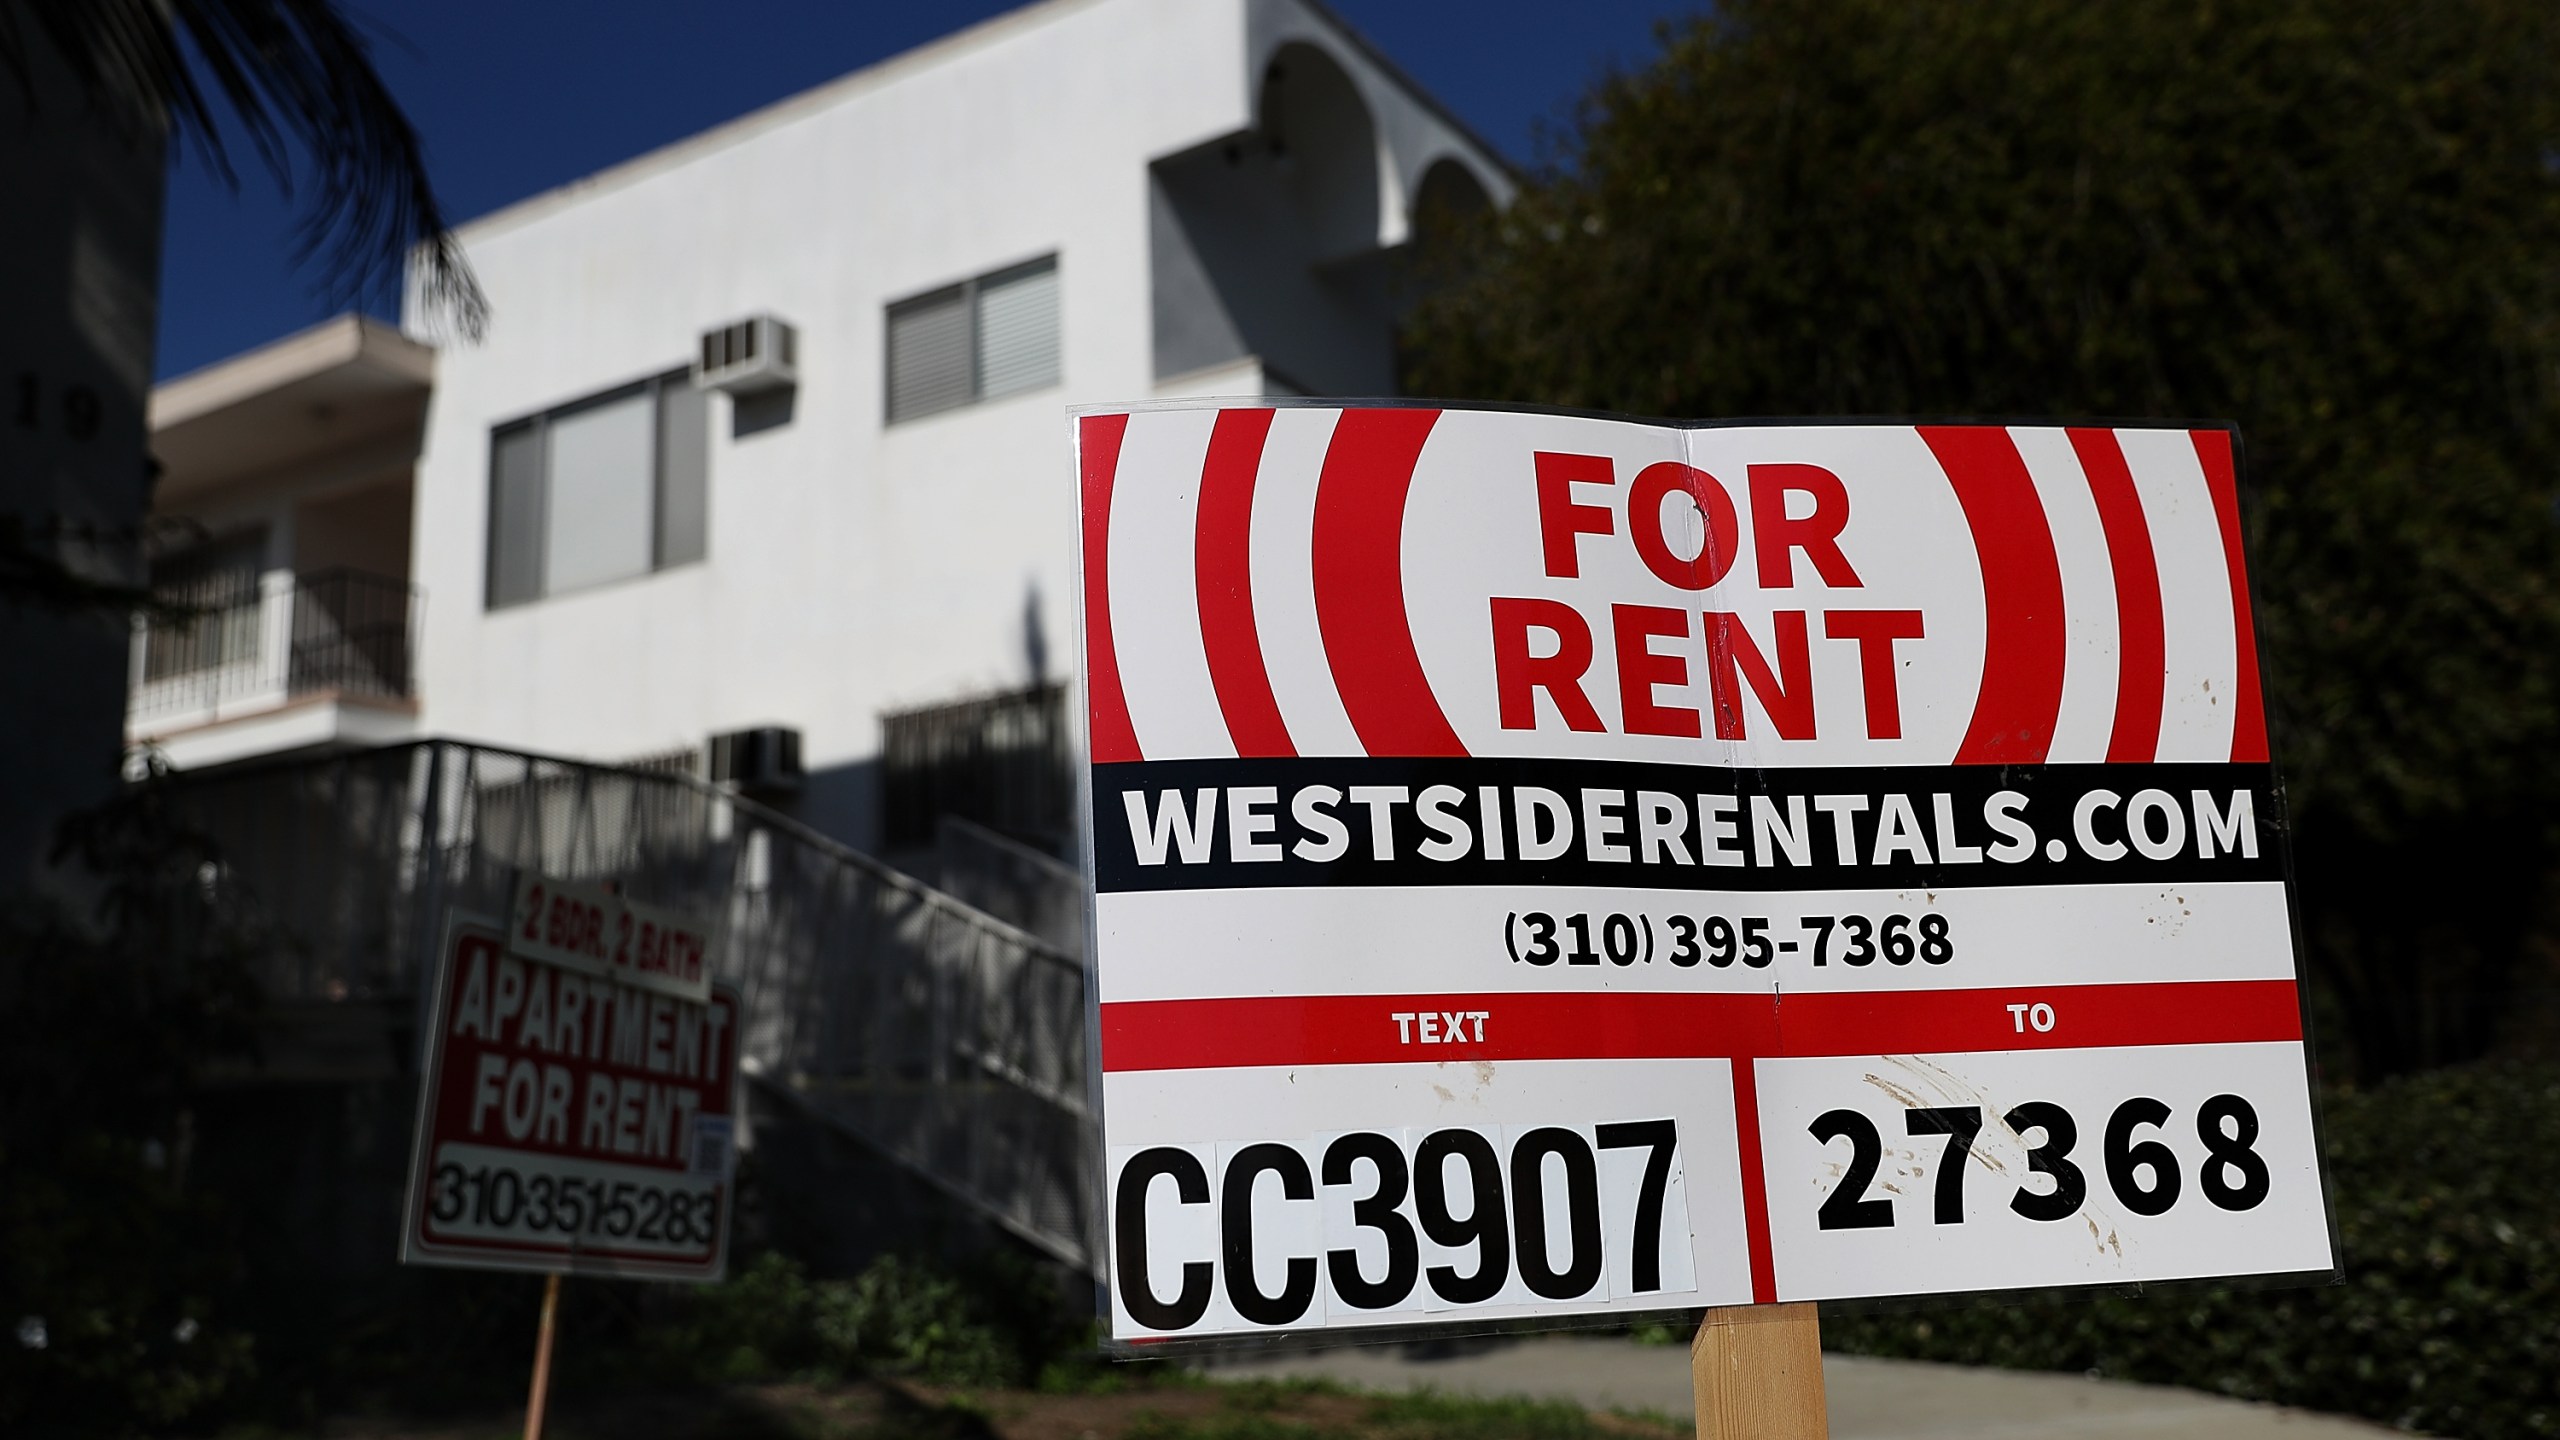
(1552, 864)
(575, 1117)
(594, 931)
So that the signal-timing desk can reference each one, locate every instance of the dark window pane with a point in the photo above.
(684, 464)
(515, 516)
(929, 368)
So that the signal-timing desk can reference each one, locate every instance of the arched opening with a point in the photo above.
(1449, 202)
(1323, 148)
(1265, 244)
(1449, 195)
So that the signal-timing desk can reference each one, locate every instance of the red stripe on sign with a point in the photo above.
(2199, 1012)
(1223, 559)
(2023, 641)
(2142, 654)
(1755, 1184)
(1106, 705)
(2249, 718)
(1365, 1029)
(1362, 1029)
(1359, 583)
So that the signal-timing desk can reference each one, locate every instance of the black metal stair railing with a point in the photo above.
(949, 1040)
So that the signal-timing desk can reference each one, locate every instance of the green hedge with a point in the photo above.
(2447, 1189)
(900, 1317)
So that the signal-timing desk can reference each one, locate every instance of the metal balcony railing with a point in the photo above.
(249, 642)
(1000, 761)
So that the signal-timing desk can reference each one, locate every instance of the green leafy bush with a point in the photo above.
(2331, 221)
(994, 1325)
(2447, 1191)
(109, 1330)
(759, 1324)
(900, 1317)
(109, 1262)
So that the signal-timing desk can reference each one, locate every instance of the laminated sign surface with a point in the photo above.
(1551, 864)
(579, 1105)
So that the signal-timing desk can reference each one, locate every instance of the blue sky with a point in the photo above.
(516, 96)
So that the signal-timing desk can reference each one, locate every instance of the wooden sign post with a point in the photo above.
(1757, 1371)
(540, 1400)
(589, 1000)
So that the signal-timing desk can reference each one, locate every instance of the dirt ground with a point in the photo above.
(889, 1410)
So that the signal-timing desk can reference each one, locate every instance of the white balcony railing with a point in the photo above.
(271, 641)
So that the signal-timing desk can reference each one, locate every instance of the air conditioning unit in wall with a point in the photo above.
(762, 760)
(748, 357)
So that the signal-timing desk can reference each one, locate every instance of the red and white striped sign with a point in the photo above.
(1307, 581)
(1548, 864)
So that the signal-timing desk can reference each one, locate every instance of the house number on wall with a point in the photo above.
(77, 412)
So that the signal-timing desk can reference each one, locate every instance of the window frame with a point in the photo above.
(966, 291)
(656, 387)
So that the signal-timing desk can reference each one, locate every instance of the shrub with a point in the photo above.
(994, 1325)
(110, 1264)
(2447, 1192)
(759, 1324)
(902, 1317)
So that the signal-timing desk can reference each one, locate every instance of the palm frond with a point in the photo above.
(298, 77)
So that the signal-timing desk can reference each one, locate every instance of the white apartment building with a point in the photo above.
(768, 432)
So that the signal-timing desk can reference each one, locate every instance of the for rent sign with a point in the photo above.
(571, 1121)
(1552, 864)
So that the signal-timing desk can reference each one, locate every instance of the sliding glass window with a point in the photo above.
(611, 487)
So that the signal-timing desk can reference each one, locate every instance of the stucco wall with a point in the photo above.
(852, 567)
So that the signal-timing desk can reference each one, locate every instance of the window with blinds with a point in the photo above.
(929, 366)
(985, 338)
(611, 487)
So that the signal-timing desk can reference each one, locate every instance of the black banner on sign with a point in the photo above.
(1222, 824)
